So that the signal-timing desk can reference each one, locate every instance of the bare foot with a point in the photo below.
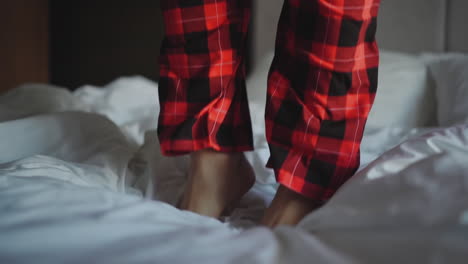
(217, 181)
(287, 208)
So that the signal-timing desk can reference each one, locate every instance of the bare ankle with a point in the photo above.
(216, 181)
(288, 208)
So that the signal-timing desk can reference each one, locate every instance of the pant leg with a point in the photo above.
(202, 78)
(321, 87)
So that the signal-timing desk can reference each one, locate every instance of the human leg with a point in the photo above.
(204, 108)
(321, 87)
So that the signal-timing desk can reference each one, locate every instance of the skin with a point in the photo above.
(287, 208)
(217, 181)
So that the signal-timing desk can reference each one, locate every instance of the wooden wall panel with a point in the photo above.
(23, 42)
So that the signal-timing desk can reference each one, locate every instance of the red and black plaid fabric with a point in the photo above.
(321, 86)
(202, 78)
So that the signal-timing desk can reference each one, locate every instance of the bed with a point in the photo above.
(82, 179)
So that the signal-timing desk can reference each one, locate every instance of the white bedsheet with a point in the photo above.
(78, 188)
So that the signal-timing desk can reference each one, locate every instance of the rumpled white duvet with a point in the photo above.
(82, 181)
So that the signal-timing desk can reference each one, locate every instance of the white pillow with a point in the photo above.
(34, 98)
(450, 73)
(405, 93)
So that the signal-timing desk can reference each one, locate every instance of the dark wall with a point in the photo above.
(94, 42)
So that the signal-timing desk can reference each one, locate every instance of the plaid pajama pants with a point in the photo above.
(321, 86)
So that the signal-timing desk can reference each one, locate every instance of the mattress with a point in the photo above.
(82, 181)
